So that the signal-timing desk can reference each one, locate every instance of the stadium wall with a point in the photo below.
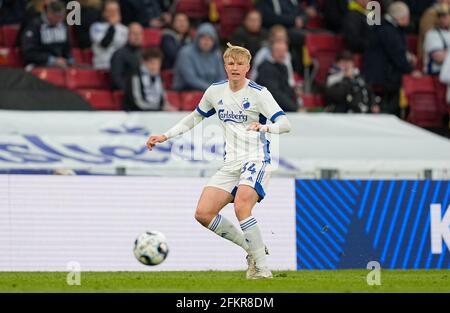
(47, 221)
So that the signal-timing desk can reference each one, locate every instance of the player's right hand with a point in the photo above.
(153, 140)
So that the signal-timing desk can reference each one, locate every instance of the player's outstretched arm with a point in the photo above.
(183, 126)
(281, 125)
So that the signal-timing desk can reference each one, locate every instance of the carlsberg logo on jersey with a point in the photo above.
(230, 116)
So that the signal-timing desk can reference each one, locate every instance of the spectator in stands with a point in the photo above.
(174, 38)
(125, 61)
(107, 36)
(45, 41)
(276, 33)
(34, 9)
(200, 63)
(90, 13)
(437, 41)
(273, 74)
(149, 13)
(250, 35)
(334, 12)
(417, 8)
(145, 90)
(283, 12)
(346, 90)
(386, 59)
(427, 22)
(288, 13)
(355, 27)
(12, 11)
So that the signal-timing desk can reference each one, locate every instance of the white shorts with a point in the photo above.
(255, 174)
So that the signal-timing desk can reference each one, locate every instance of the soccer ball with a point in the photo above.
(151, 248)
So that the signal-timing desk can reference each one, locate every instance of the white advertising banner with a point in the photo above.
(355, 145)
(48, 221)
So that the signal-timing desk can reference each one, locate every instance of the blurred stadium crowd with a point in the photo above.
(313, 55)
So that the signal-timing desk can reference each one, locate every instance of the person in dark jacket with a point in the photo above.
(12, 11)
(355, 27)
(33, 10)
(288, 13)
(89, 14)
(345, 90)
(250, 35)
(126, 60)
(174, 38)
(144, 89)
(273, 75)
(149, 13)
(334, 12)
(45, 41)
(386, 59)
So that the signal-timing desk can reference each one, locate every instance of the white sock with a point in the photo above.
(253, 238)
(224, 228)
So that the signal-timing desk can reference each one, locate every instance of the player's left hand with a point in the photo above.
(153, 140)
(255, 126)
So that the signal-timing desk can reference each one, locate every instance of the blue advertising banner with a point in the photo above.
(402, 224)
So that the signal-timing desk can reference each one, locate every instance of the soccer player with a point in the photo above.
(243, 108)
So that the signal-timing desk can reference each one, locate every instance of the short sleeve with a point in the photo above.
(206, 107)
(268, 106)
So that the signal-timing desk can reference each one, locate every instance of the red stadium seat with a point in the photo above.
(231, 14)
(190, 99)
(87, 56)
(412, 41)
(167, 77)
(174, 99)
(152, 37)
(118, 97)
(73, 37)
(426, 107)
(86, 78)
(99, 99)
(10, 57)
(2, 42)
(10, 34)
(56, 76)
(197, 9)
(313, 101)
(323, 47)
(78, 56)
(358, 59)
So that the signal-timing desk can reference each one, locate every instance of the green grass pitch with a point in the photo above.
(212, 281)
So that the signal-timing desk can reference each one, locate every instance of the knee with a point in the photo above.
(202, 217)
(242, 207)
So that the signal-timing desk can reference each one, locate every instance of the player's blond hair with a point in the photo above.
(236, 52)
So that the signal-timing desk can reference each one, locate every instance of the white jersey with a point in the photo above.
(236, 112)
